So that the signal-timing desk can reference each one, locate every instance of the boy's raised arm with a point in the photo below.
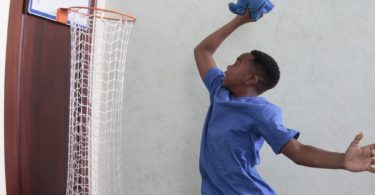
(204, 51)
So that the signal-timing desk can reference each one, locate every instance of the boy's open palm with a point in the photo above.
(358, 158)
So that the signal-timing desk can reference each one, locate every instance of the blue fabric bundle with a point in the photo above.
(257, 8)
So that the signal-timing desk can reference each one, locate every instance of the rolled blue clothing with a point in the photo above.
(257, 8)
(233, 134)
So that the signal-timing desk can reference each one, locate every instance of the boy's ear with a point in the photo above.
(251, 80)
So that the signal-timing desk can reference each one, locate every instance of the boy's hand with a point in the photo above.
(358, 158)
(204, 51)
(244, 18)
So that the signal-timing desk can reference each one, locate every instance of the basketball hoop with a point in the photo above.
(99, 40)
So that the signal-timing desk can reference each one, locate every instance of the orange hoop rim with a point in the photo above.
(75, 9)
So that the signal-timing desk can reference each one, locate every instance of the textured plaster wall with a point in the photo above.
(325, 50)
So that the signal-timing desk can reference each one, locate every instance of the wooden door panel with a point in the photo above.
(36, 111)
(11, 95)
(44, 106)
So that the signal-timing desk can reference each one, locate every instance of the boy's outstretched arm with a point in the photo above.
(355, 159)
(204, 51)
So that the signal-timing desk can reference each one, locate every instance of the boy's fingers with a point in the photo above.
(357, 139)
(371, 169)
(372, 153)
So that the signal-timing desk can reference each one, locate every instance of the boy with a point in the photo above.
(239, 120)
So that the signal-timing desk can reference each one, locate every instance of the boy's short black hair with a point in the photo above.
(269, 70)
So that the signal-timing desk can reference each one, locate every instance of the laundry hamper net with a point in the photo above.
(99, 40)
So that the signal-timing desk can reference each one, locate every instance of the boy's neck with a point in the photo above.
(244, 92)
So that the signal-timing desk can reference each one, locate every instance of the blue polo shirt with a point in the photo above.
(233, 134)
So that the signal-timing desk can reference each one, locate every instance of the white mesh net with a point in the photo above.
(99, 42)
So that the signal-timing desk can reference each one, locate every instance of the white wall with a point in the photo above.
(4, 12)
(325, 50)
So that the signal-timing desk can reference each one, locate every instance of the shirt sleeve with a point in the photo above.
(213, 79)
(271, 127)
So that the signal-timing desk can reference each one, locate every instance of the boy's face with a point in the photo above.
(241, 73)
